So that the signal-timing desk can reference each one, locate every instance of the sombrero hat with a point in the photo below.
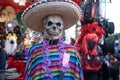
(33, 16)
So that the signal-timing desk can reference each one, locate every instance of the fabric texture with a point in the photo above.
(3, 58)
(19, 65)
(2, 76)
(35, 69)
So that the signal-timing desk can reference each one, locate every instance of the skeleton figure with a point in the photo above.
(52, 59)
(53, 26)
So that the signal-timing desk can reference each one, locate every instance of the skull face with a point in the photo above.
(53, 26)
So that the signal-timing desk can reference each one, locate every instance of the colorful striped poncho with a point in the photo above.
(35, 67)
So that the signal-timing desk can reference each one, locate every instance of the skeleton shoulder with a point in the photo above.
(34, 47)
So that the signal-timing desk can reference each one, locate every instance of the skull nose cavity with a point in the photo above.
(54, 28)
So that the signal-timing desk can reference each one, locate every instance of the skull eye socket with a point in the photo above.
(58, 24)
(49, 23)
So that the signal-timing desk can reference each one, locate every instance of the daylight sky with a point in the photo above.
(113, 13)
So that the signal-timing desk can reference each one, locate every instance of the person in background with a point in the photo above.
(3, 59)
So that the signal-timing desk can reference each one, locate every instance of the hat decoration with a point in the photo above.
(33, 16)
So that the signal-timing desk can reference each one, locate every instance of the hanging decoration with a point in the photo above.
(18, 18)
(7, 14)
(20, 6)
(11, 43)
(2, 31)
(2, 34)
(87, 43)
(21, 2)
(78, 1)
